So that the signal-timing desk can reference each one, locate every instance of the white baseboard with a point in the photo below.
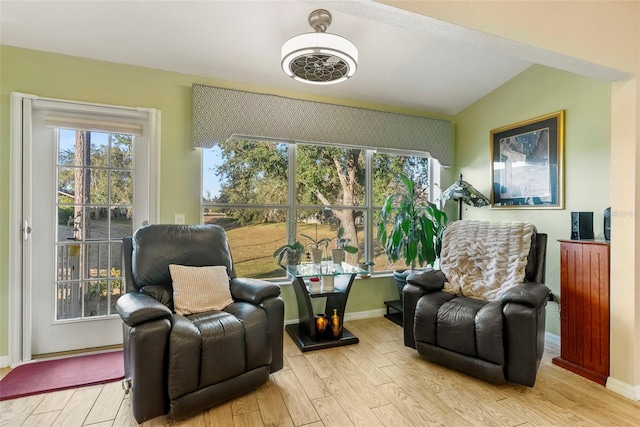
(616, 386)
(552, 338)
(365, 314)
(623, 389)
(4, 361)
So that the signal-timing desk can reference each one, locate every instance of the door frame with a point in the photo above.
(19, 307)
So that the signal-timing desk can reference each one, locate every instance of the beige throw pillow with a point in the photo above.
(198, 289)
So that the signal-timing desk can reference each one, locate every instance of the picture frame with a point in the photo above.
(527, 164)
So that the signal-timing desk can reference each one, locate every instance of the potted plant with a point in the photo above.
(316, 246)
(292, 252)
(342, 246)
(410, 230)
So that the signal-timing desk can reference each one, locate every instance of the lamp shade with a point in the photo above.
(463, 192)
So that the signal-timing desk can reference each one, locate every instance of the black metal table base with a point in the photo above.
(306, 343)
(335, 297)
(396, 316)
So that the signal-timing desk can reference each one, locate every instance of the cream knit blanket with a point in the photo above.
(484, 259)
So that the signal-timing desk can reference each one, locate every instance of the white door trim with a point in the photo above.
(19, 309)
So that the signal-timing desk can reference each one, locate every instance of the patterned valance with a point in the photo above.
(219, 114)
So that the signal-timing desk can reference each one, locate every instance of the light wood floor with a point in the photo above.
(376, 382)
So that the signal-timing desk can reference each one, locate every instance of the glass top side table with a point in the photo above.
(324, 280)
(325, 268)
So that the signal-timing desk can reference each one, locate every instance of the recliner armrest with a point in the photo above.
(417, 286)
(135, 308)
(430, 281)
(528, 293)
(253, 290)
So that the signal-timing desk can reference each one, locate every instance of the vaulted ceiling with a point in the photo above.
(405, 60)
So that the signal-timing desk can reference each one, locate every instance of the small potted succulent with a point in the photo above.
(292, 253)
(342, 246)
(368, 267)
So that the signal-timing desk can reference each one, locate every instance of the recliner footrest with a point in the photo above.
(484, 370)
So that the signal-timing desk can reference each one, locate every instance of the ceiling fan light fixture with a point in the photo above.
(319, 58)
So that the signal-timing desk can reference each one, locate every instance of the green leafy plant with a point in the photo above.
(411, 230)
(343, 242)
(288, 247)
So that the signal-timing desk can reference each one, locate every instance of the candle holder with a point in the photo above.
(321, 324)
(336, 324)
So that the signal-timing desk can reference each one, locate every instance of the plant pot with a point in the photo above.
(337, 255)
(400, 277)
(365, 270)
(294, 256)
(327, 284)
(316, 256)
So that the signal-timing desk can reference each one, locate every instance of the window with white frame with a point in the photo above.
(266, 194)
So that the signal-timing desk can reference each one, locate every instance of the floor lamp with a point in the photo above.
(464, 192)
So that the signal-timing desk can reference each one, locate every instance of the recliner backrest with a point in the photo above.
(537, 261)
(156, 246)
(483, 259)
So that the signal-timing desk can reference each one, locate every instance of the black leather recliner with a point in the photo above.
(179, 365)
(499, 341)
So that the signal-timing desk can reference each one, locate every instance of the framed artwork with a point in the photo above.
(526, 163)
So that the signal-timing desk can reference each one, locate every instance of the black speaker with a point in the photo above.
(607, 224)
(581, 225)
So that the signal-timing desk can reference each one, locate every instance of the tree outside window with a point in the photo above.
(246, 188)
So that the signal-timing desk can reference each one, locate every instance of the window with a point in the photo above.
(245, 190)
(94, 208)
(264, 193)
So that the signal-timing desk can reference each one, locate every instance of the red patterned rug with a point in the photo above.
(61, 374)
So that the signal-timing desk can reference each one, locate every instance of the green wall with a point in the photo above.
(60, 76)
(535, 92)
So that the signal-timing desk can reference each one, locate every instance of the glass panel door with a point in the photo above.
(94, 211)
(86, 189)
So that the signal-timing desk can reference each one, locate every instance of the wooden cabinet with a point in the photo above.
(584, 309)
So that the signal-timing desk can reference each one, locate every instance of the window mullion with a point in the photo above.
(293, 200)
(368, 188)
(434, 183)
